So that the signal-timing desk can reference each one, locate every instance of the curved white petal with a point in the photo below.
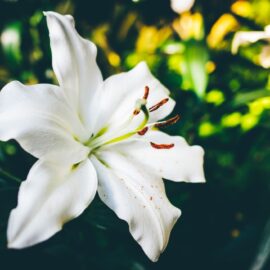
(74, 62)
(180, 163)
(264, 57)
(137, 196)
(50, 197)
(245, 38)
(180, 6)
(121, 91)
(39, 118)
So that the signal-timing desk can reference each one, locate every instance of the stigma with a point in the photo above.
(142, 101)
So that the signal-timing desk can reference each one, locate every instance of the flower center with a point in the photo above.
(99, 140)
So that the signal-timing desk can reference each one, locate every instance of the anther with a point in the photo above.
(158, 105)
(143, 131)
(168, 122)
(162, 146)
(146, 92)
(136, 112)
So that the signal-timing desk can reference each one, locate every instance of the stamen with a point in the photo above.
(136, 112)
(146, 92)
(158, 105)
(168, 122)
(143, 131)
(162, 146)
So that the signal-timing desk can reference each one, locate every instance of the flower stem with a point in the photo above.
(9, 176)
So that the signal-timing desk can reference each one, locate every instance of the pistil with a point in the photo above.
(141, 102)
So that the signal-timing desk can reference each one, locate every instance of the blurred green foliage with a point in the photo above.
(224, 103)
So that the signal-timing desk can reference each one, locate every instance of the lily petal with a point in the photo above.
(264, 56)
(180, 163)
(247, 37)
(74, 62)
(51, 196)
(121, 91)
(137, 196)
(181, 6)
(39, 118)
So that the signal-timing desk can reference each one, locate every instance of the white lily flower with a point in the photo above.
(243, 38)
(93, 135)
(181, 6)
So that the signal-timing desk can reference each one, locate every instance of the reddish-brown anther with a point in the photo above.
(146, 92)
(158, 105)
(168, 122)
(162, 146)
(143, 131)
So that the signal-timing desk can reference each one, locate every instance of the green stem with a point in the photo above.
(9, 176)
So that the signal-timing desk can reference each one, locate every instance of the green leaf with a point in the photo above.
(244, 98)
(195, 58)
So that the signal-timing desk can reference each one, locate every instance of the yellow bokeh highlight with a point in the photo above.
(256, 107)
(249, 121)
(114, 59)
(257, 10)
(207, 129)
(259, 105)
(133, 59)
(242, 8)
(150, 38)
(265, 101)
(215, 97)
(189, 26)
(231, 120)
(210, 67)
(224, 25)
(174, 63)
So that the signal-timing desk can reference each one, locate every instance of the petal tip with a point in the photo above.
(143, 66)
(154, 259)
(10, 245)
(178, 213)
(47, 13)
(200, 178)
(198, 149)
(143, 63)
